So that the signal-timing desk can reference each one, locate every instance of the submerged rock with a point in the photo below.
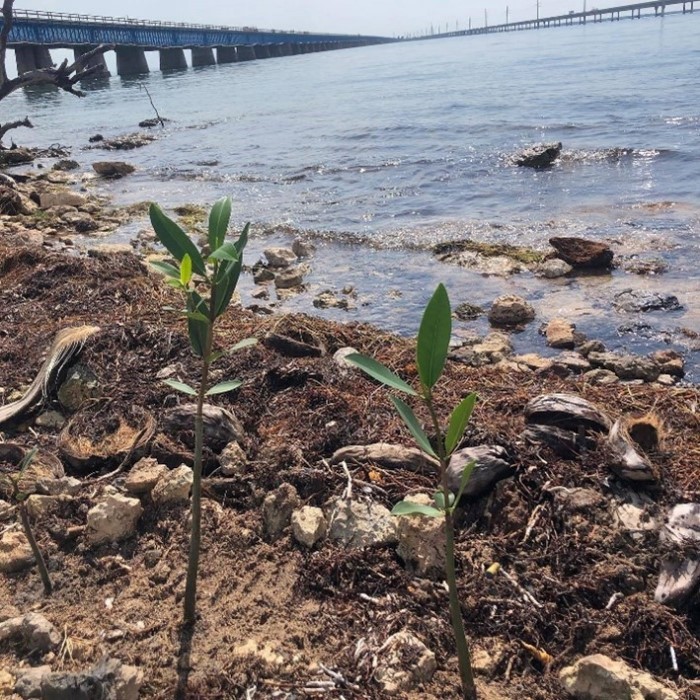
(582, 253)
(541, 155)
(113, 168)
(638, 301)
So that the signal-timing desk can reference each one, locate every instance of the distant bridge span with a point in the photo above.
(34, 33)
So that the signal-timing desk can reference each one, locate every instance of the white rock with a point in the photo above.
(340, 357)
(61, 197)
(277, 509)
(233, 461)
(555, 267)
(422, 540)
(32, 630)
(40, 507)
(15, 552)
(174, 486)
(144, 475)
(309, 525)
(599, 677)
(404, 662)
(114, 518)
(67, 485)
(280, 257)
(359, 524)
(510, 309)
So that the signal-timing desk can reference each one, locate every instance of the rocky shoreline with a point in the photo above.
(576, 562)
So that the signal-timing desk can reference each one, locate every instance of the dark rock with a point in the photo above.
(15, 156)
(220, 426)
(467, 312)
(66, 164)
(10, 201)
(491, 466)
(96, 138)
(582, 253)
(539, 156)
(114, 169)
(633, 301)
(626, 367)
(149, 123)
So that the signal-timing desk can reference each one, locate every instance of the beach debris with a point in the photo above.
(220, 425)
(510, 310)
(403, 663)
(582, 253)
(490, 466)
(541, 155)
(113, 518)
(627, 463)
(598, 677)
(277, 509)
(680, 570)
(291, 347)
(113, 168)
(309, 525)
(386, 455)
(639, 301)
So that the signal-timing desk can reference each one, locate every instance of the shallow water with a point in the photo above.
(389, 149)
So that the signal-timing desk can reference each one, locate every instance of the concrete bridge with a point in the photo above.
(33, 34)
(632, 11)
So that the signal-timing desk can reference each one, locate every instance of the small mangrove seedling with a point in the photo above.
(11, 482)
(431, 352)
(207, 281)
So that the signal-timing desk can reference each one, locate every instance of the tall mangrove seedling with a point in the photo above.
(431, 353)
(207, 278)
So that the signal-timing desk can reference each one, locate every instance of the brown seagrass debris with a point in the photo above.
(66, 345)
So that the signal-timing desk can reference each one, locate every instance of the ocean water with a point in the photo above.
(379, 153)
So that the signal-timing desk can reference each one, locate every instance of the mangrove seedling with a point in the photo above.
(11, 482)
(207, 278)
(431, 352)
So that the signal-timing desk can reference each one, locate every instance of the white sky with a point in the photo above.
(384, 17)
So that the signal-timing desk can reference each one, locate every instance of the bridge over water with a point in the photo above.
(34, 33)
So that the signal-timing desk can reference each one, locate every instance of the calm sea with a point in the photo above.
(381, 152)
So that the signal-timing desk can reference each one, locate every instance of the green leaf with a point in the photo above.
(378, 371)
(439, 498)
(180, 386)
(408, 508)
(166, 268)
(28, 459)
(458, 422)
(466, 475)
(414, 426)
(196, 328)
(219, 217)
(226, 251)
(223, 387)
(175, 240)
(245, 343)
(226, 282)
(197, 316)
(242, 239)
(186, 269)
(434, 337)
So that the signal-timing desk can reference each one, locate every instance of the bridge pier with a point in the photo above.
(98, 60)
(245, 53)
(275, 51)
(131, 60)
(261, 51)
(226, 54)
(285, 49)
(296, 49)
(172, 59)
(203, 56)
(30, 58)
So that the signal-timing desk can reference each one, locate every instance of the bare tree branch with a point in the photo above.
(13, 125)
(4, 34)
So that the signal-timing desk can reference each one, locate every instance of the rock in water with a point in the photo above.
(541, 155)
(581, 253)
(510, 310)
(113, 168)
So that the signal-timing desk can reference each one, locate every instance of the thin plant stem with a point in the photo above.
(41, 564)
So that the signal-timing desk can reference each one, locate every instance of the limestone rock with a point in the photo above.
(40, 507)
(67, 485)
(340, 355)
(33, 631)
(303, 249)
(541, 155)
(330, 300)
(626, 367)
(422, 540)
(533, 361)
(10, 201)
(65, 164)
(28, 683)
(582, 253)
(277, 509)
(61, 197)
(108, 679)
(174, 486)
(510, 310)
(636, 301)
(53, 420)
(599, 677)
(289, 277)
(575, 361)
(601, 376)
(233, 461)
(669, 362)
(114, 518)
(279, 257)
(7, 511)
(309, 525)
(144, 475)
(404, 662)
(551, 269)
(560, 333)
(15, 552)
(359, 524)
(490, 350)
(680, 575)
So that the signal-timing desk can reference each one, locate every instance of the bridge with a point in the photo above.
(34, 33)
(637, 10)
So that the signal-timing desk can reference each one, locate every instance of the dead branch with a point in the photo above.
(4, 128)
(65, 77)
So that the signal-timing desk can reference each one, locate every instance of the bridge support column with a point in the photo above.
(42, 57)
(261, 51)
(131, 60)
(98, 60)
(275, 51)
(245, 53)
(203, 56)
(226, 54)
(296, 49)
(24, 56)
(285, 49)
(172, 59)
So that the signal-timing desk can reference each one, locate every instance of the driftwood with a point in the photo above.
(680, 575)
(64, 77)
(566, 443)
(387, 455)
(67, 344)
(491, 466)
(220, 425)
(566, 411)
(292, 348)
(627, 462)
(43, 467)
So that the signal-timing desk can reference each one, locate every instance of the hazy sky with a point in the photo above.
(385, 17)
